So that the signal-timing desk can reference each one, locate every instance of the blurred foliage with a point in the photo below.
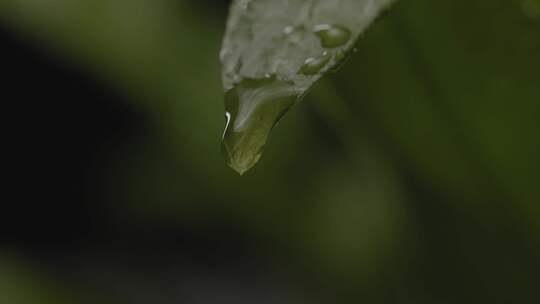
(409, 176)
(18, 284)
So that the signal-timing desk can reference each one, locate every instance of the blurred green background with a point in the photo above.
(409, 176)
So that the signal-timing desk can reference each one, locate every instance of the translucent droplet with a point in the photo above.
(314, 65)
(252, 108)
(340, 59)
(244, 4)
(294, 34)
(332, 36)
(340, 55)
(288, 30)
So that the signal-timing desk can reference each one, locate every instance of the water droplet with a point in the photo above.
(253, 107)
(340, 58)
(332, 36)
(294, 34)
(314, 64)
(244, 4)
(288, 30)
(340, 55)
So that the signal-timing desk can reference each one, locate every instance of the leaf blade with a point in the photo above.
(294, 42)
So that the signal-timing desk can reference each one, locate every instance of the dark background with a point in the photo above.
(411, 175)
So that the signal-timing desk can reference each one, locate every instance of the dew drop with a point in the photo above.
(243, 4)
(332, 36)
(288, 30)
(340, 59)
(314, 64)
(294, 34)
(252, 109)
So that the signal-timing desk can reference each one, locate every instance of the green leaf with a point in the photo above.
(273, 53)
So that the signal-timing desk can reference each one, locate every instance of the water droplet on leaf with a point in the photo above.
(288, 30)
(332, 36)
(340, 58)
(294, 34)
(340, 55)
(253, 108)
(313, 65)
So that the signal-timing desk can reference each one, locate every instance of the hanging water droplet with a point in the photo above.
(253, 107)
(332, 36)
(314, 65)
